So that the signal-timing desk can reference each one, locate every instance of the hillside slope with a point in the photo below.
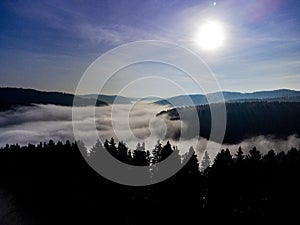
(244, 120)
(19, 96)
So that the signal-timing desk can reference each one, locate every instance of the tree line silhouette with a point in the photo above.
(52, 184)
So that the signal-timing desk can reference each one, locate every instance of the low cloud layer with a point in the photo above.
(34, 124)
(129, 123)
(266, 143)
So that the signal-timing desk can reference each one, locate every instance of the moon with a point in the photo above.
(210, 35)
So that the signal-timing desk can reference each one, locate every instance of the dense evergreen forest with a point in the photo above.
(51, 183)
(244, 119)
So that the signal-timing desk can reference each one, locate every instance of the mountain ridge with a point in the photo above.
(200, 99)
(25, 96)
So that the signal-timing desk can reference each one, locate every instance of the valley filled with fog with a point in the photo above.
(130, 123)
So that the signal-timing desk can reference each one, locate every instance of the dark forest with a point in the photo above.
(51, 183)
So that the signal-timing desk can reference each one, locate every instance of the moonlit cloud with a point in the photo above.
(44, 122)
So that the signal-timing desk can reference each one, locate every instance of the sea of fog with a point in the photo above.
(40, 123)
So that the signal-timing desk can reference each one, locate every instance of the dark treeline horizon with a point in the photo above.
(52, 184)
(244, 120)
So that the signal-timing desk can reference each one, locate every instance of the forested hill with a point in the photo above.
(199, 99)
(19, 96)
(247, 119)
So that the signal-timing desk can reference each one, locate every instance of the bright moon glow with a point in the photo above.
(210, 35)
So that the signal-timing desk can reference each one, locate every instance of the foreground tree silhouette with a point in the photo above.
(123, 153)
(161, 153)
(110, 146)
(156, 152)
(140, 157)
(254, 155)
(52, 184)
(239, 155)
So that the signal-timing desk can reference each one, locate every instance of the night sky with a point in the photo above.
(48, 45)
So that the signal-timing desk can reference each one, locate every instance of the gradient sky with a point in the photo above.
(49, 44)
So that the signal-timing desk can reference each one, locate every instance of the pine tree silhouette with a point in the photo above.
(239, 155)
(53, 184)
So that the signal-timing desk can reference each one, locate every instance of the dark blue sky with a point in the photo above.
(49, 44)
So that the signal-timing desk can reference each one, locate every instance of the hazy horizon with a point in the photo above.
(170, 96)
